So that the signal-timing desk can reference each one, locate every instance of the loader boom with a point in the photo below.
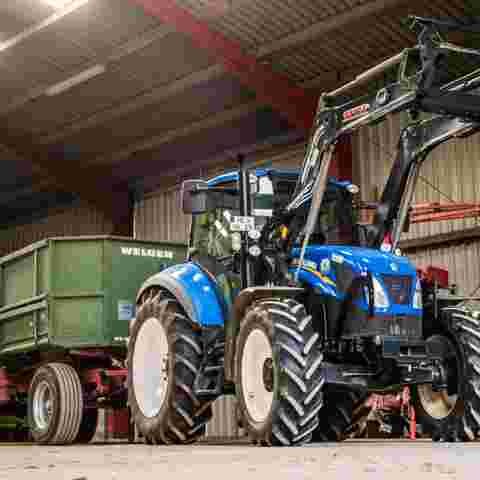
(452, 108)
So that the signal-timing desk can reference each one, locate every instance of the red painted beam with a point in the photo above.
(342, 164)
(275, 89)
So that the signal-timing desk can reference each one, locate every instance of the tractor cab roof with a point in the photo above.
(287, 174)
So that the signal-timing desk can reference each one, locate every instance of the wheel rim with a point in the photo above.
(439, 404)
(42, 406)
(257, 375)
(150, 367)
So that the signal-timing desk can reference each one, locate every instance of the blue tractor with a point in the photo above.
(289, 302)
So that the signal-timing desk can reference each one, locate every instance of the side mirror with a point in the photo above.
(191, 200)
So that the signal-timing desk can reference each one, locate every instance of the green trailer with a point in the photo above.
(65, 309)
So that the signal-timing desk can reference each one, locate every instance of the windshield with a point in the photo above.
(211, 233)
(336, 219)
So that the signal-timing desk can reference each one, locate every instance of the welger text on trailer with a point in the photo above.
(146, 252)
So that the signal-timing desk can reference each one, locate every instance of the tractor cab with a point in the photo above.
(215, 209)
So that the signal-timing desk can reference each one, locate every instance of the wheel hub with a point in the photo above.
(257, 375)
(42, 406)
(268, 374)
(150, 367)
(440, 400)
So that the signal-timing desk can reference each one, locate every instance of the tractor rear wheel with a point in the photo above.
(453, 414)
(279, 377)
(164, 356)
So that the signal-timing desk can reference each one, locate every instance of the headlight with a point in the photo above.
(379, 295)
(417, 297)
(353, 189)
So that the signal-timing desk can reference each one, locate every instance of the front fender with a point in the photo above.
(193, 289)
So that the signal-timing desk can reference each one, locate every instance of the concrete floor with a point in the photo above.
(352, 460)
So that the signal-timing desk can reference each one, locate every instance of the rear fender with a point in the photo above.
(246, 298)
(194, 290)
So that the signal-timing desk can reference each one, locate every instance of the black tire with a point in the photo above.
(461, 336)
(55, 404)
(296, 379)
(182, 417)
(88, 427)
(341, 412)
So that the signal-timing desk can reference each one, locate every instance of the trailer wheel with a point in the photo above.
(164, 356)
(55, 404)
(453, 414)
(88, 427)
(340, 416)
(278, 373)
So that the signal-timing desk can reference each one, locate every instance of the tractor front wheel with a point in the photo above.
(164, 356)
(279, 377)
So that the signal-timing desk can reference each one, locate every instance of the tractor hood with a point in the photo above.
(332, 268)
(359, 259)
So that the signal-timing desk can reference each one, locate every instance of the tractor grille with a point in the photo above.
(399, 288)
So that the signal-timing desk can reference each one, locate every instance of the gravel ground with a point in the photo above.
(354, 460)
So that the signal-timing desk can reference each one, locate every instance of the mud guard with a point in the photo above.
(194, 290)
(242, 302)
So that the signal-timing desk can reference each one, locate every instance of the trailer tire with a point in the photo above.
(461, 421)
(164, 406)
(339, 416)
(88, 427)
(55, 404)
(278, 373)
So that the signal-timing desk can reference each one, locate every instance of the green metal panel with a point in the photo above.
(78, 266)
(135, 261)
(76, 291)
(18, 280)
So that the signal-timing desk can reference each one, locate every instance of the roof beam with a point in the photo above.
(297, 104)
(333, 22)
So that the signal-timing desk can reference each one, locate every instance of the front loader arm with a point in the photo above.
(415, 92)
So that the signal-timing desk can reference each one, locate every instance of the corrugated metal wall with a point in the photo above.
(80, 220)
(452, 168)
(159, 217)
(462, 262)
